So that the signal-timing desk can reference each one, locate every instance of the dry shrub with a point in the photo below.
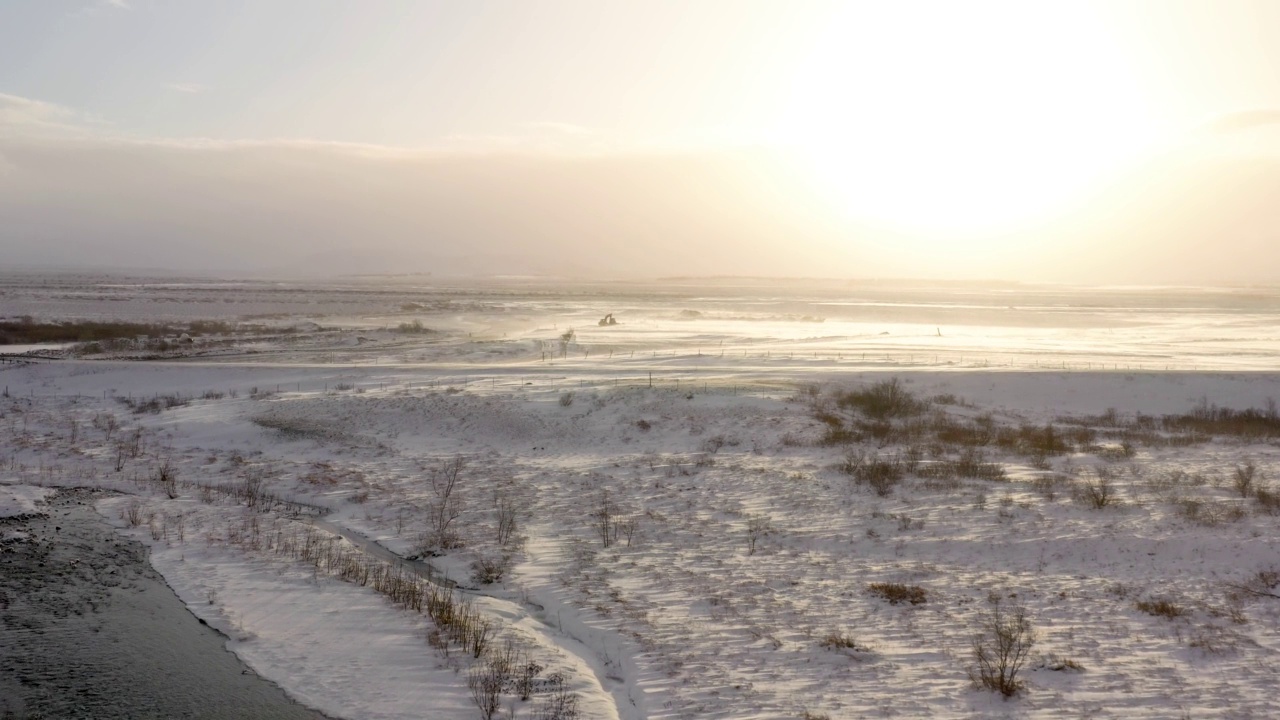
(1058, 663)
(1048, 486)
(1243, 478)
(558, 703)
(1171, 482)
(1098, 493)
(1208, 514)
(1210, 419)
(898, 593)
(972, 463)
(881, 474)
(843, 641)
(487, 570)
(485, 680)
(1162, 608)
(133, 513)
(882, 401)
(1268, 501)
(1217, 640)
(167, 478)
(1000, 649)
(1125, 450)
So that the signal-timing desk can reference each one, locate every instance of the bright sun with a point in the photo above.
(955, 119)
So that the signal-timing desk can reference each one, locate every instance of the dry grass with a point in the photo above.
(1162, 608)
(897, 593)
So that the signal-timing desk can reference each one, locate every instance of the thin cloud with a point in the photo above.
(28, 118)
(564, 128)
(189, 88)
(1244, 120)
(101, 6)
(19, 113)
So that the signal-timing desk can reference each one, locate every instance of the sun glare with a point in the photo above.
(958, 119)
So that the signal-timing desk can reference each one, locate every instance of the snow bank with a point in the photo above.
(22, 500)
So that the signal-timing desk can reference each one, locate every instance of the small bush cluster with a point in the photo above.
(1100, 492)
(897, 593)
(882, 401)
(1208, 419)
(881, 474)
(155, 404)
(487, 570)
(1208, 514)
(1268, 501)
(972, 463)
(1058, 663)
(842, 641)
(1000, 649)
(412, 328)
(25, 330)
(1161, 608)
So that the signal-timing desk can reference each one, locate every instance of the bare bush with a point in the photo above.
(712, 445)
(881, 474)
(1209, 514)
(1058, 663)
(883, 401)
(1210, 419)
(446, 506)
(133, 512)
(1243, 477)
(972, 463)
(898, 593)
(559, 702)
(1161, 608)
(107, 423)
(1217, 640)
(1100, 492)
(167, 478)
(485, 682)
(505, 509)
(1268, 501)
(526, 675)
(757, 527)
(486, 570)
(1048, 486)
(251, 491)
(842, 641)
(1000, 649)
(610, 525)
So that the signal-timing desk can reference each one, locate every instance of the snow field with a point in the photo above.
(687, 619)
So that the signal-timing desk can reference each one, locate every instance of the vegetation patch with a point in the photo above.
(897, 593)
(1161, 608)
(25, 330)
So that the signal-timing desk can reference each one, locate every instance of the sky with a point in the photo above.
(1131, 142)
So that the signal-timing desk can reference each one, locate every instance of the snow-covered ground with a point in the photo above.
(18, 500)
(737, 580)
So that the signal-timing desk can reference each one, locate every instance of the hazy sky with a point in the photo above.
(1115, 141)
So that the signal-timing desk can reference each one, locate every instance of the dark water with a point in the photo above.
(89, 630)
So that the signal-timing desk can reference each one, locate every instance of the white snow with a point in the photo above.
(21, 499)
(684, 620)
